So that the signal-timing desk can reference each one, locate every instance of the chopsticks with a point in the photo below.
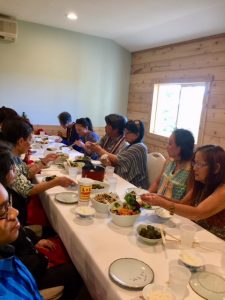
(162, 235)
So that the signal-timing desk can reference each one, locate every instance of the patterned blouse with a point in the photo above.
(173, 184)
(22, 184)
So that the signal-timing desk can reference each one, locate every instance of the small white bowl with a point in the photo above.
(155, 291)
(191, 259)
(144, 239)
(163, 213)
(102, 207)
(85, 211)
(121, 220)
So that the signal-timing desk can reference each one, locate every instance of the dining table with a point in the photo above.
(93, 244)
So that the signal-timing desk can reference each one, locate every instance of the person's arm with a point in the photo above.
(43, 186)
(37, 167)
(207, 208)
(155, 184)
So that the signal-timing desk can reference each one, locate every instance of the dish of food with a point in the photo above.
(51, 149)
(191, 259)
(131, 273)
(85, 211)
(157, 292)
(99, 187)
(49, 178)
(148, 234)
(67, 197)
(208, 285)
(163, 213)
(75, 164)
(106, 198)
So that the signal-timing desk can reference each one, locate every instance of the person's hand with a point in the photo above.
(60, 134)
(64, 181)
(50, 157)
(79, 143)
(96, 148)
(152, 199)
(46, 244)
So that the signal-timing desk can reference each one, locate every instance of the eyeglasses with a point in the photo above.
(4, 208)
(199, 165)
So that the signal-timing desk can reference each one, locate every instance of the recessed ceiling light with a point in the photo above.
(71, 16)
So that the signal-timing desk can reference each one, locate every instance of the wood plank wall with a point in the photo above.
(193, 60)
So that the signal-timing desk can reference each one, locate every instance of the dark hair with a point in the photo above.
(116, 122)
(7, 113)
(64, 118)
(6, 161)
(185, 140)
(15, 129)
(213, 155)
(137, 127)
(85, 122)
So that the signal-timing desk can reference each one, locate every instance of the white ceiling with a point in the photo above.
(134, 24)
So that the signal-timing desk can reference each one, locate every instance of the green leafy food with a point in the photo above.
(132, 203)
(48, 178)
(150, 232)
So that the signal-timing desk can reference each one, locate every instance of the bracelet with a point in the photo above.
(172, 210)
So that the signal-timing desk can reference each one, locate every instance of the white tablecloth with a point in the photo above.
(94, 244)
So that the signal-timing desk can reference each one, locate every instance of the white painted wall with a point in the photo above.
(49, 70)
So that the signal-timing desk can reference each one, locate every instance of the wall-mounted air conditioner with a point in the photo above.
(8, 29)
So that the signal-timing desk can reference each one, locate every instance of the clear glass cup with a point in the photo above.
(187, 234)
(179, 277)
(112, 183)
(73, 171)
(109, 171)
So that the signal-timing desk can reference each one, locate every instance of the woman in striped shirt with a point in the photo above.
(131, 162)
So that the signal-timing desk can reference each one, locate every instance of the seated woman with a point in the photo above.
(65, 120)
(113, 141)
(85, 130)
(131, 162)
(175, 178)
(19, 133)
(29, 248)
(205, 203)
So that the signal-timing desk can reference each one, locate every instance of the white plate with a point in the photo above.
(67, 197)
(208, 285)
(163, 213)
(158, 291)
(99, 191)
(85, 211)
(131, 273)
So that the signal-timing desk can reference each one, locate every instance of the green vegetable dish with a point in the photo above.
(135, 202)
(150, 232)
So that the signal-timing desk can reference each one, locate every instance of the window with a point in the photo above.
(177, 105)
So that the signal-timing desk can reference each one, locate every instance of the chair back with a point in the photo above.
(155, 164)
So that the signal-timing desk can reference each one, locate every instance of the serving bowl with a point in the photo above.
(99, 187)
(148, 240)
(123, 220)
(192, 260)
(102, 201)
(163, 213)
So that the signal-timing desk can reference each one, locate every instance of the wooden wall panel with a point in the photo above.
(196, 60)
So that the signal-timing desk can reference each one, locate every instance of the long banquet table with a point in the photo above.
(93, 244)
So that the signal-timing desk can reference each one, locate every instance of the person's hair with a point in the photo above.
(137, 127)
(15, 129)
(185, 140)
(116, 122)
(6, 161)
(85, 122)
(214, 156)
(7, 113)
(64, 118)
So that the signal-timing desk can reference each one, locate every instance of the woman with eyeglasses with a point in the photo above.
(175, 177)
(131, 162)
(205, 202)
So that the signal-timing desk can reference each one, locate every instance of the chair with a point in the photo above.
(155, 162)
(53, 293)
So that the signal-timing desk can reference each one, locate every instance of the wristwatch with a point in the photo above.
(172, 209)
